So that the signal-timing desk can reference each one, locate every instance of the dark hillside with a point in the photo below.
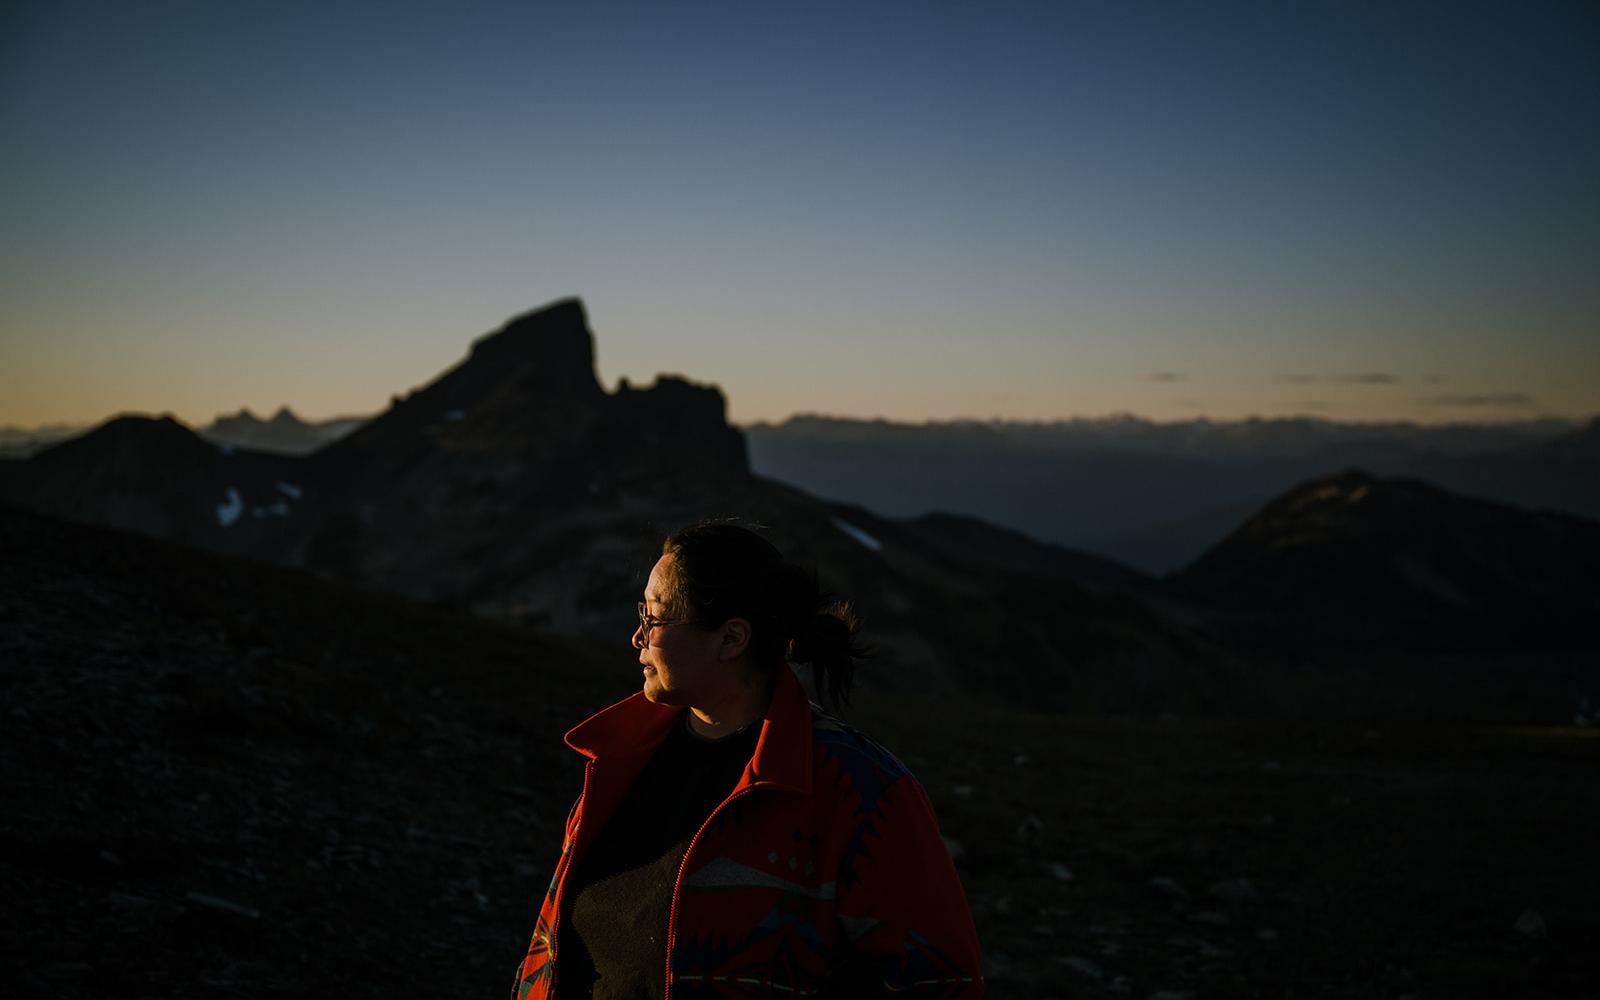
(223, 778)
(156, 477)
(984, 544)
(1353, 561)
(219, 778)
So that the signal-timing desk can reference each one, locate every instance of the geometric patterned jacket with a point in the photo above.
(821, 875)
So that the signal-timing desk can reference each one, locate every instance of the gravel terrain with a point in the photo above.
(222, 779)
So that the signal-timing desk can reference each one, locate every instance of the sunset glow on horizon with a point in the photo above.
(1032, 212)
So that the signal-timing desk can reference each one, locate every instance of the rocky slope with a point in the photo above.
(225, 778)
(222, 778)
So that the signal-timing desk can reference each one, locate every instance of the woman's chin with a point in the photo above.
(653, 688)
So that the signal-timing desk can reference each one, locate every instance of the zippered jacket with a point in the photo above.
(822, 874)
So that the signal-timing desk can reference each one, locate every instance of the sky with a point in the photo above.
(913, 211)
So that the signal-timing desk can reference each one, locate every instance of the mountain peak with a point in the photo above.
(528, 392)
(552, 342)
(129, 432)
(247, 420)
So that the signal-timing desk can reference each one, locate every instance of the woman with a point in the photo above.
(733, 840)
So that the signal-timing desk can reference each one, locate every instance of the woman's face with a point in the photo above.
(682, 665)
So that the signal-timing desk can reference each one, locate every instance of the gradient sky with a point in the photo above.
(904, 210)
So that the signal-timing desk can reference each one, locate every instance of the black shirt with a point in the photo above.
(614, 919)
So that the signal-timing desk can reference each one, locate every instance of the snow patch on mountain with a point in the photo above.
(229, 510)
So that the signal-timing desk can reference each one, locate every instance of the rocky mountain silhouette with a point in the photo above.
(509, 464)
(515, 486)
(525, 416)
(1352, 560)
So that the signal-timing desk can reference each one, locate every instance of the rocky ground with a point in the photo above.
(224, 779)
(1227, 859)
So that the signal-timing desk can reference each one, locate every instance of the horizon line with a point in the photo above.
(1117, 416)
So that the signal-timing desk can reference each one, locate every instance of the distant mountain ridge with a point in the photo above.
(20, 442)
(1156, 495)
(1203, 438)
(284, 433)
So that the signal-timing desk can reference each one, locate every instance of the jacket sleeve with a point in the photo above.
(536, 973)
(901, 906)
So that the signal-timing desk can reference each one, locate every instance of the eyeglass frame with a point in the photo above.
(647, 621)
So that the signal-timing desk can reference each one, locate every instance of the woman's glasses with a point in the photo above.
(647, 621)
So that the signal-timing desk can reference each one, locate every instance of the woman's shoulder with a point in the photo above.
(856, 756)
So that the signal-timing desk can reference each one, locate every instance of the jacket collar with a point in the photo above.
(638, 725)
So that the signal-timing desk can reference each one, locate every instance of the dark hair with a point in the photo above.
(724, 570)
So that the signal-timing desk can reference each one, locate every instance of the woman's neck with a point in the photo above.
(743, 706)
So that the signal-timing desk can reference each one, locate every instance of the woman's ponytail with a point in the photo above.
(827, 641)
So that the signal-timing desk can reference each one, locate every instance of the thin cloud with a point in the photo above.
(1297, 378)
(1485, 399)
(1368, 378)
(1166, 377)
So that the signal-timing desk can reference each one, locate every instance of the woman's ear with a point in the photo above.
(735, 639)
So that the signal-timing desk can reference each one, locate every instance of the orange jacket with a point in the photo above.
(821, 874)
